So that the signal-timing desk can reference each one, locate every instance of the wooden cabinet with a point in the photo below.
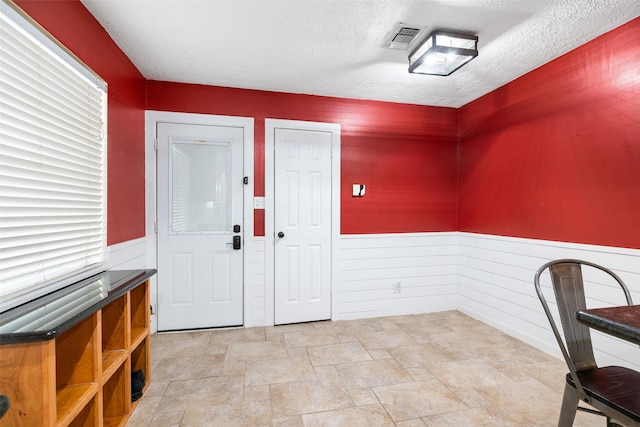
(82, 376)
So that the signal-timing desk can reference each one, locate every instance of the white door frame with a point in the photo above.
(151, 177)
(269, 189)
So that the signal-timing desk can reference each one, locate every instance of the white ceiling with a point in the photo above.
(334, 48)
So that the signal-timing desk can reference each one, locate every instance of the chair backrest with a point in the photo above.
(568, 287)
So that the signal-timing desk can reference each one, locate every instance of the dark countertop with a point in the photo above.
(46, 317)
(622, 322)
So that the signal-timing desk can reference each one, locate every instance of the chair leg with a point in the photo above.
(569, 406)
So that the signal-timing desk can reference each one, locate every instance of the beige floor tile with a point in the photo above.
(380, 353)
(304, 397)
(167, 419)
(552, 373)
(341, 373)
(453, 319)
(156, 389)
(180, 368)
(170, 345)
(384, 339)
(470, 340)
(327, 371)
(323, 324)
(345, 338)
(411, 423)
(298, 354)
(420, 355)
(363, 396)
(253, 414)
(233, 368)
(472, 398)
(422, 325)
(417, 399)
(420, 374)
(257, 393)
(519, 405)
(513, 354)
(259, 350)
(275, 337)
(145, 411)
(294, 327)
(352, 327)
(476, 417)
(372, 373)
(188, 395)
(468, 374)
(361, 416)
(288, 421)
(310, 338)
(334, 354)
(229, 336)
(216, 349)
(421, 339)
(277, 371)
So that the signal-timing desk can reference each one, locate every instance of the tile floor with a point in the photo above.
(439, 369)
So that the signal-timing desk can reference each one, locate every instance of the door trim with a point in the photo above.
(269, 253)
(152, 118)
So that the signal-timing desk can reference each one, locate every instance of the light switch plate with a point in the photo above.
(358, 190)
(258, 203)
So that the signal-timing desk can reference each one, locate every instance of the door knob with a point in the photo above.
(280, 234)
(237, 243)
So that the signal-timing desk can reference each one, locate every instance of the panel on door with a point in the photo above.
(302, 221)
(200, 283)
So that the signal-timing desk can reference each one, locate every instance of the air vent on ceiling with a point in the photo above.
(402, 36)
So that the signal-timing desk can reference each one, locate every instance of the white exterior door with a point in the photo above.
(200, 226)
(302, 225)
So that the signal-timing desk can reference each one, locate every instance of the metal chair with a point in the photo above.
(613, 391)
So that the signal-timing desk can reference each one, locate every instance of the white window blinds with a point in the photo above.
(52, 161)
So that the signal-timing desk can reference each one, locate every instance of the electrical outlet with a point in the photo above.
(396, 288)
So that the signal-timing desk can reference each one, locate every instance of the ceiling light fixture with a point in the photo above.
(443, 52)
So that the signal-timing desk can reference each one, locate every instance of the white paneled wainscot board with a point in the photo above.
(486, 277)
(496, 286)
(374, 275)
(134, 255)
(395, 274)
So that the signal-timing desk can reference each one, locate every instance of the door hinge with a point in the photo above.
(155, 144)
(155, 227)
(245, 180)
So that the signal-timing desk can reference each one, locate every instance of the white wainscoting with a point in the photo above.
(129, 255)
(496, 287)
(487, 277)
(133, 255)
(425, 265)
(256, 301)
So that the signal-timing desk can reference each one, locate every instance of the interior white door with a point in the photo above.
(302, 224)
(200, 224)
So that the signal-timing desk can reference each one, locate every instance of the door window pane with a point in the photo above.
(200, 189)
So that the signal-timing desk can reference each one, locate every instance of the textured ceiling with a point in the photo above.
(334, 48)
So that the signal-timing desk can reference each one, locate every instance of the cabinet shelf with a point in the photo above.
(88, 416)
(72, 399)
(111, 361)
(138, 335)
(76, 371)
(116, 398)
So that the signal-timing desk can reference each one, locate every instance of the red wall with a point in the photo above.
(555, 154)
(71, 23)
(405, 154)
